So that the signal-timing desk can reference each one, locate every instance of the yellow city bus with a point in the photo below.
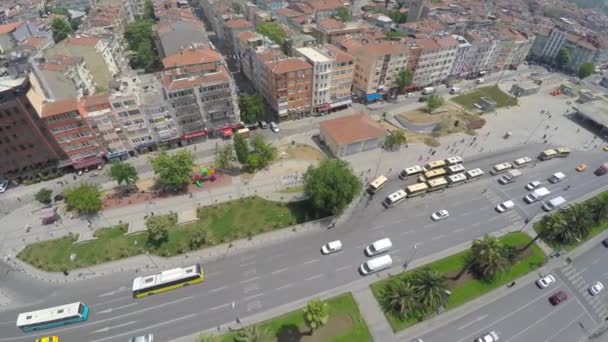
(377, 184)
(416, 189)
(563, 152)
(437, 184)
(167, 280)
(548, 154)
(434, 165)
(431, 174)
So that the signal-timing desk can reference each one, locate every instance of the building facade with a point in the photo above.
(436, 59)
(290, 85)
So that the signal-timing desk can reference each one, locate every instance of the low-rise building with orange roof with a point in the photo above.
(351, 134)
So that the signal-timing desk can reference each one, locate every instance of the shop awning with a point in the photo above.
(81, 164)
(341, 103)
(194, 135)
(226, 132)
(323, 108)
(373, 97)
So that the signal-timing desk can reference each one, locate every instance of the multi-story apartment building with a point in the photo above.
(170, 36)
(157, 110)
(135, 9)
(512, 48)
(377, 65)
(321, 78)
(202, 93)
(69, 69)
(290, 84)
(271, 5)
(342, 73)
(331, 30)
(323, 9)
(548, 43)
(27, 147)
(108, 129)
(436, 58)
(230, 33)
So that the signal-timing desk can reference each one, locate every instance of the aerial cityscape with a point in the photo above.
(303, 170)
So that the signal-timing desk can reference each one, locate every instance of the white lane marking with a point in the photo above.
(595, 262)
(480, 318)
(377, 227)
(467, 213)
(219, 307)
(250, 279)
(281, 270)
(147, 328)
(310, 261)
(112, 327)
(284, 287)
(361, 246)
(218, 289)
(535, 323)
(111, 293)
(210, 274)
(254, 296)
(582, 270)
(493, 218)
(476, 224)
(116, 308)
(565, 327)
(438, 237)
(337, 269)
(406, 232)
(247, 264)
(314, 277)
(458, 230)
(110, 301)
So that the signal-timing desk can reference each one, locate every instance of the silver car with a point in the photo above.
(142, 338)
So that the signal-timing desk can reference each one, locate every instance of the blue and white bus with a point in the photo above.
(53, 317)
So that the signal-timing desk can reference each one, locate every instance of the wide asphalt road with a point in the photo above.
(261, 279)
(526, 315)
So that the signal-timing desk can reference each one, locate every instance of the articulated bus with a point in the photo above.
(394, 198)
(410, 171)
(456, 179)
(377, 184)
(437, 164)
(167, 280)
(431, 174)
(548, 154)
(437, 184)
(53, 317)
(416, 190)
(563, 152)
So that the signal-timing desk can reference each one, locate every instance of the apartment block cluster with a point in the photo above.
(78, 104)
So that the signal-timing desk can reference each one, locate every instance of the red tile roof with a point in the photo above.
(351, 129)
(85, 41)
(244, 36)
(321, 5)
(10, 27)
(192, 57)
(238, 23)
(330, 24)
(59, 107)
(288, 12)
(184, 83)
(289, 65)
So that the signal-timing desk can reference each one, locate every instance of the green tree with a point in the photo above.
(158, 229)
(138, 35)
(149, 10)
(145, 56)
(208, 338)
(579, 218)
(61, 29)
(434, 102)
(252, 108)
(123, 173)
(404, 79)
(224, 156)
(265, 152)
(564, 57)
(399, 298)
(253, 333)
(397, 16)
(273, 31)
(199, 238)
(395, 140)
(586, 69)
(343, 14)
(431, 289)
(75, 23)
(44, 196)
(241, 149)
(173, 171)
(85, 198)
(488, 257)
(331, 186)
(316, 314)
(598, 208)
(236, 7)
(554, 228)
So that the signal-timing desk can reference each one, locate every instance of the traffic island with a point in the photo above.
(469, 100)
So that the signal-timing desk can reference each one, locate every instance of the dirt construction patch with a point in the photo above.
(336, 326)
(300, 152)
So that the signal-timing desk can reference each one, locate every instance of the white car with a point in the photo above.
(492, 336)
(142, 338)
(596, 288)
(440, 215)
(533, 185)
(3, 186)
(545, 281)
(274, 127)
(331, 247)
(505, 206)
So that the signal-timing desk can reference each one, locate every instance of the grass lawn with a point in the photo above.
(345, 325)
(502, 100)
(467, 288)
(222, 222)
(293, 189)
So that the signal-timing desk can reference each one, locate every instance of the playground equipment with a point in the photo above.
(207, 174)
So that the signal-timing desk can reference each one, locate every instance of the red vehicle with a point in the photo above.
(558, 298)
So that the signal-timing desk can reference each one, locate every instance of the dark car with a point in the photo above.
(558, 298)
(423, 99)
(605, 242)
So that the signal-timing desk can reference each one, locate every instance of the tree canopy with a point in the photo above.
(173, 171)
(343, 14)
(404, 78)
(395, 140)
(252, 108)
(85, 198)
(316, 314)
(273, 31)
(564, 57)
(331, 186)
(139, 39)
(434, 102)
(224, 156)
(586, 69)
(241, 149)
(489, 257)
(123, 173)
(149, 10)
(264, 152)
(158, 229)
(61, 29)
(44, 196)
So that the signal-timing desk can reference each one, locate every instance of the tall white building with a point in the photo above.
(321, 69)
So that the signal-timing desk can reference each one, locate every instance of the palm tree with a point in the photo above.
(598, 207)
(489, 257)
(208, 338)
(316, 314)
(431, 289)
(399, 298)
(578, 219)
(551, 227)
(253, 333)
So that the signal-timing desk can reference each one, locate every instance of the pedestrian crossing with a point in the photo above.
(494, 198)
(596, 303)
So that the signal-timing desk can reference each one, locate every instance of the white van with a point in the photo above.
(428, 90)
(557, 177)
(554, 203)
(376, 264)
(537, 195)
(378, 247)
(479, 80)
(455, 90)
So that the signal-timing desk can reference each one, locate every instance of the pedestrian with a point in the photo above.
(433, 153)
(74, 177)
(555, 128)
(19, 199)
(578, 130)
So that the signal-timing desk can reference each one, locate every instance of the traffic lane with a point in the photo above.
(592, 266)
(578, 329)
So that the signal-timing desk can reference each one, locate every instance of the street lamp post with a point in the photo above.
(151, 260)
(411, 257)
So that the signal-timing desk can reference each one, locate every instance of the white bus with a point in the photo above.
(454, 160)
(563, 152)
(456, 179)
(53, 317)
(437, 184)
(437, 164)
(500, 168)
(395, 198)
(521, 162)
(431, 174)
(167, 280)
(410, 171)
(416, 190)
(475, 173)
(456, 168)
(377, 184)
(547, 154)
